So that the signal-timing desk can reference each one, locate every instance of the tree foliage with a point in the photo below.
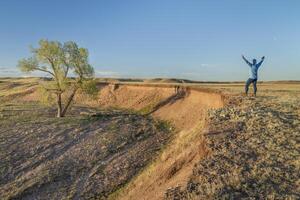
(60, 61)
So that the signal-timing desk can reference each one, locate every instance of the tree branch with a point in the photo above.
(44, 70)
(67, 70)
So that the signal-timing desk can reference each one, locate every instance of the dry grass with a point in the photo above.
(255, 151)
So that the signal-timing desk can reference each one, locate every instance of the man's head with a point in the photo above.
(254, 61)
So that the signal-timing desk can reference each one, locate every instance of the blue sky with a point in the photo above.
(195, 39)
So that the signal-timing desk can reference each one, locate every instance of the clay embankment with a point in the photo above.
(185, 109)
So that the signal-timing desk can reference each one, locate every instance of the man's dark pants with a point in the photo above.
(249, 81)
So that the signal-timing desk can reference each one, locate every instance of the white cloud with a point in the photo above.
(210, 66)
(106, 73)
(204, 65)
(15, 72)
(9, 72)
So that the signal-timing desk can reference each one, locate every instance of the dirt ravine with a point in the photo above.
(186, 110)
(184, 107)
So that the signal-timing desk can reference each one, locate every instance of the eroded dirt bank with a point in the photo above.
(186, 110)
(182, 106)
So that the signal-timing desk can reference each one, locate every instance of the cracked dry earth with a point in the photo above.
(255, 152)
(73, 158)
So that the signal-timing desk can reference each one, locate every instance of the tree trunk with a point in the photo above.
(70, 99)
(59, 107)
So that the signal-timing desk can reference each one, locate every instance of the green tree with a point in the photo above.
(59, 61)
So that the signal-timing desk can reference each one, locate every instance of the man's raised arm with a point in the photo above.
(262, 60)
(246, 60)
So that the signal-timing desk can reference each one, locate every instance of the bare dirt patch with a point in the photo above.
(77, 157)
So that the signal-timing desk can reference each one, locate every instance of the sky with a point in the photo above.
(191, 39)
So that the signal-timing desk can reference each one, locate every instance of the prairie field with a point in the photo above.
(151, 139)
